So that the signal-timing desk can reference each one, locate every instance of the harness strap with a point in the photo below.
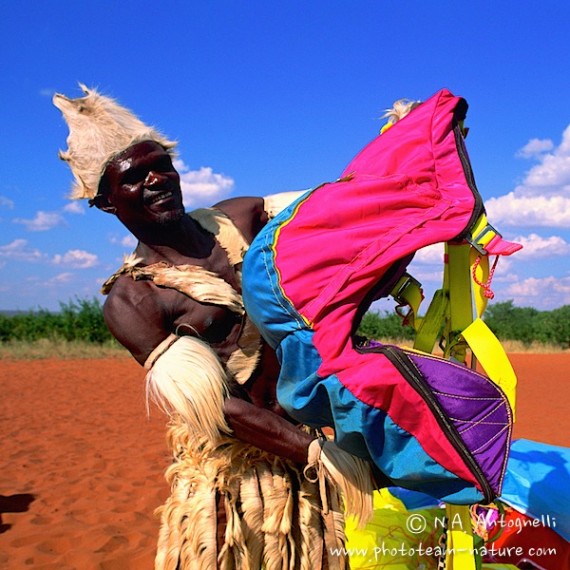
(459, 545)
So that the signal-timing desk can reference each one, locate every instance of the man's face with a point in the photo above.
(143, 186)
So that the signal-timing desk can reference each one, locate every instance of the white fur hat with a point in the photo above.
(99, 129)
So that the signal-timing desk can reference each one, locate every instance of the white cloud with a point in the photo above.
(6, 203)
(504, 274)
(427, 276)
(513, 209)
(535, 147)
(129, 241)
(19, 250)
(430, 254)
(504, 266)
(42, 222)
(76, 258)
(60, 278)
(543, 197)
(535, 246)
(544, 293)
(74, 207)
(203, 186)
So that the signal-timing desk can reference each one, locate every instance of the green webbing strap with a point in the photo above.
(460, 545)
(429, 330)
(460, 299)
(408, 293)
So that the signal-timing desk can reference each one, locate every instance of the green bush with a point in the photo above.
(78, 320)
(384, 325)
(527, 325)
(523, 324)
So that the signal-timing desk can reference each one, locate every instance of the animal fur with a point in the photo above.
(351, 475)
(275, 515)
(99, 129)
(399, 110)
(189, 382)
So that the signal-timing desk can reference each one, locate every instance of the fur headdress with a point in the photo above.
(399, 110)
(99, 130)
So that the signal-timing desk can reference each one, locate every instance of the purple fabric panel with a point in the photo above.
(477, 408)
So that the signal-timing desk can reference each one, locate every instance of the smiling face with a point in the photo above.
(142, 186)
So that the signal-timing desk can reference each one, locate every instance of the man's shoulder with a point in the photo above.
(128, 296)
(247, 213)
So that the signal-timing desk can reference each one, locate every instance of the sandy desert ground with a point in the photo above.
(82, 464)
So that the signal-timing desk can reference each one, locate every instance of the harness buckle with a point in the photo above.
(474, 241)
(399, 292)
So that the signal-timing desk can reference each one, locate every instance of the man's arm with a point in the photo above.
(266, 430)
(250, 214)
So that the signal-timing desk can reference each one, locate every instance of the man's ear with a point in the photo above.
(108, 209)
(100, 202)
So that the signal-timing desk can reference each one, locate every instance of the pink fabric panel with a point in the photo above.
(405, 183)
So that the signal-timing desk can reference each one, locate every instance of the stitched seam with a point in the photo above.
(478, 422)
(458, 397)
(458, 420)
(276, 290)
(491, 440)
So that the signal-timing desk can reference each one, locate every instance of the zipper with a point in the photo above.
(408, 370)
(478, 209)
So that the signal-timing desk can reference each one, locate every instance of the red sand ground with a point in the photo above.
(83, 465)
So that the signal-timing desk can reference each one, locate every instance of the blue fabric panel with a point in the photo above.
(538, 483)
(263, 298)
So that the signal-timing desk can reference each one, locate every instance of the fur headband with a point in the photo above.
(99, 130)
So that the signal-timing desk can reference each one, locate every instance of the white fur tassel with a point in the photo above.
(188, 380)
(350, 473)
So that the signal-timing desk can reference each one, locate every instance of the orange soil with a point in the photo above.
(83, 465)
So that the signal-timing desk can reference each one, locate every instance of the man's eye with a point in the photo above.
(165, 165)
(133, 177)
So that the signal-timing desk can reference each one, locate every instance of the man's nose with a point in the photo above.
(154, 178)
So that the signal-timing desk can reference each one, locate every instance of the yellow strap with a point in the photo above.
(482, 274)
(429, 328)
(482, 234)
(492, 357)
(460, 547)
(460, 301)
(408, 293)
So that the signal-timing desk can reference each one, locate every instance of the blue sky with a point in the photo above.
(271, 96)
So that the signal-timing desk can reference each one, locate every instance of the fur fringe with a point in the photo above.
(350, 473)
(275, 203)
(399, 110)
(206, 287)
(191, 280)
(194, 281)
(274, 514)
(244, 359)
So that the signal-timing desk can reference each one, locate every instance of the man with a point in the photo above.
(239, 494)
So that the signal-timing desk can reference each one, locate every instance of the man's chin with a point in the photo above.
(171, 217)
